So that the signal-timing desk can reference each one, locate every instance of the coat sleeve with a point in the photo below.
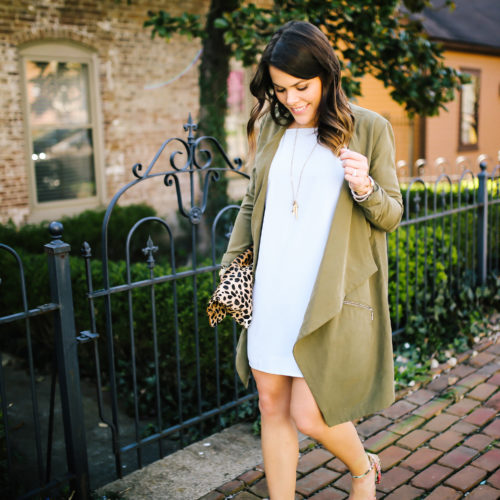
(241, 236)
(384, 207)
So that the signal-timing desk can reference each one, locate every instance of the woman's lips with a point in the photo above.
(299, 110)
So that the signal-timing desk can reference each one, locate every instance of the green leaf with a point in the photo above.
(221, 23)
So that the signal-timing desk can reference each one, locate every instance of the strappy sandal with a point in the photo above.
(374, 462)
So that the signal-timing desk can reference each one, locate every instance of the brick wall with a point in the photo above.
(135, 121)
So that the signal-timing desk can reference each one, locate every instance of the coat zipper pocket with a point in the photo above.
(359, 304)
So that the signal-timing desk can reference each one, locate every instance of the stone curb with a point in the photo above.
(193, 471)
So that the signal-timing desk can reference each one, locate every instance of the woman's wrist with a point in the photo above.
(368, 187)
(363, 195)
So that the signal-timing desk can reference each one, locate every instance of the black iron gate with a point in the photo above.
(165, 302)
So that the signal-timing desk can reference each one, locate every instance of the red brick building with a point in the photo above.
(84, 94)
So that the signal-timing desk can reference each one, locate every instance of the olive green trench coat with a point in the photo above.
(344, 347)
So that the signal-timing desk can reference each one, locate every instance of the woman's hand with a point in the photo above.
(356, 171)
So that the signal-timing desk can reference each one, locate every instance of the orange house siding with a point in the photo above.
(442, 137)
(376, 97)
(441, 132)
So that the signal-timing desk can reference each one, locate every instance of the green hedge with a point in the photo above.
(447, 196)
(438, 252)
(85, 226)
(35, 267)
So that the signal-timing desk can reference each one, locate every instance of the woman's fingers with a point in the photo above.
(355, 168)
(353, 160)
(346, 153)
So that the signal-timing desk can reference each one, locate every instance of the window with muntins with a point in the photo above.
(61, 123)
(469, 111)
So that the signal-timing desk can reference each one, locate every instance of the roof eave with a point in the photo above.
(467, 47)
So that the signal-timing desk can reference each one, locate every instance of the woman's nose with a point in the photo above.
(291, 97)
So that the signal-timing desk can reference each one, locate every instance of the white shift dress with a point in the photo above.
(291, 248)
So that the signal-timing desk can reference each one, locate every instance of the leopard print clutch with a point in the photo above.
(233, 295)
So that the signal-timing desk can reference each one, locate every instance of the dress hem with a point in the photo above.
(276, 372)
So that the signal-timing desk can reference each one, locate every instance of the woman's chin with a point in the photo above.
(301, 123)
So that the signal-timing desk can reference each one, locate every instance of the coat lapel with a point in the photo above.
(263, 165)
(347, 262)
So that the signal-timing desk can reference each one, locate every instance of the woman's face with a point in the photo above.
(301, 97)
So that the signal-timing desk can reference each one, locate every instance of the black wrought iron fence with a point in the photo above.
(449, 235)
(163, 376)
(26, 438)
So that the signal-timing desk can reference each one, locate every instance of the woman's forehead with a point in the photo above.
(282, 79)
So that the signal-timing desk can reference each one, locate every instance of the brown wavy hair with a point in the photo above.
(302, 50)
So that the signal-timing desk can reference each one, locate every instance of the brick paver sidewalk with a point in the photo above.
(440, 441)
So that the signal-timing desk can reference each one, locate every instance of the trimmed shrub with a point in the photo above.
(85, 226)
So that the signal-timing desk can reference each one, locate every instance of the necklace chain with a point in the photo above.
(295, 193)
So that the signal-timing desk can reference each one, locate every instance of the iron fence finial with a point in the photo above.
(86, 250)
(149, 250)
(190, 127)
(482, 161)
(56, 230)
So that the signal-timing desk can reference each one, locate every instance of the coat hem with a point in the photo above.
(360, 412)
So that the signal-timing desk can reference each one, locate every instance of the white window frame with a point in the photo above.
(461, 145)
(64, 51)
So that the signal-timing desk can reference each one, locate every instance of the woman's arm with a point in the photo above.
(241, 236)
(384, 207)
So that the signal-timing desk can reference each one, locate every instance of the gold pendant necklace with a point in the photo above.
(295, 194)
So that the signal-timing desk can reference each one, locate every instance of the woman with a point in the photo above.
(319, 344)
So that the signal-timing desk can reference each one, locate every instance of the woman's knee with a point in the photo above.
(304, 410)
(274, 396)
(308, 423)
(271, 406)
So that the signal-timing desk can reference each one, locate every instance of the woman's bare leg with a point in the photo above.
(279, 435)
(342, 440)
